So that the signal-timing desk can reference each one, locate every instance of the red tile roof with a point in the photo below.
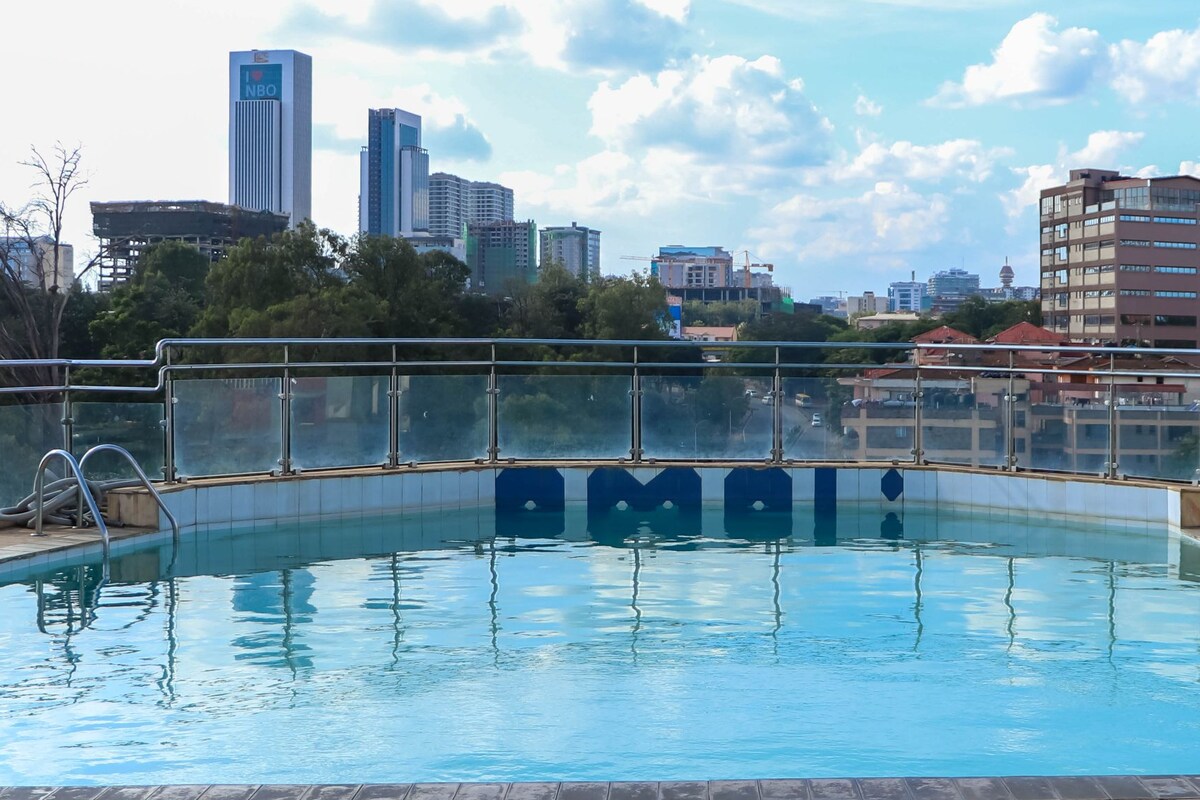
(944, 335)
(1028, 333)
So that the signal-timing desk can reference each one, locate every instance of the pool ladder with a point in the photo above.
(85, 492)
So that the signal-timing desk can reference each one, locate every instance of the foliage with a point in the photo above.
(162, 300)
(982, 319)
(625, 308)
(733, 313)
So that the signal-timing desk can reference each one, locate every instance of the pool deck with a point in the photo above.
(1109, 787)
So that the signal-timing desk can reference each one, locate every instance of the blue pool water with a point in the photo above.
(458, 647)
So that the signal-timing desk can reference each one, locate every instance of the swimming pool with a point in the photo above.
(468, 645)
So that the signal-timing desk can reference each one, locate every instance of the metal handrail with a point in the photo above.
(39, 483)
(141, 475)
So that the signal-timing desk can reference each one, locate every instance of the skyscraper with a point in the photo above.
(394, 175)
(455, 202)
(270, 132)
(576, 248)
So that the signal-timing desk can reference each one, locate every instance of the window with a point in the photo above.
(1176, 295)
(1134, 218)
(1060, 253)
(1135, 268)
(1176, 245)
(1094, 293)
(1176, 270)
(1134, 293)
(1174, 220)
(1060, 229)
(1175, 319)
(1135, 243)
(1135, 319)
(1091, 320)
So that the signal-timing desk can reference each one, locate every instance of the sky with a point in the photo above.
(848, 142)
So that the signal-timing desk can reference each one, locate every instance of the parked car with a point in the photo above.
(767, 399)
(816, 421)
(751, 393)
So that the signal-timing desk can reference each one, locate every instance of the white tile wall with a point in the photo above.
(803, 484)
(712, 484)
(574, 484)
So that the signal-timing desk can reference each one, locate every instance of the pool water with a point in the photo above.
(455, 646)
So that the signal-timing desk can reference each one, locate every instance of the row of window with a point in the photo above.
(1175, 295)
(1148, 218)
(1158, 319)
(1163, 270)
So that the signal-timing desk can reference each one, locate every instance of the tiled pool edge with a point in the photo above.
(247, 500)
(1110, 787)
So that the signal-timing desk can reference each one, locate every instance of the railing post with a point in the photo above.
(635, 422)
(918, 450)
(1110, 469)
(68, 421)
(493, 392)
(168, 422)
(285, 416)
(777, 413)
(393, 458)
(1010, 418)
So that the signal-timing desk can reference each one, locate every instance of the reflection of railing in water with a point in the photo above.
(492, 400)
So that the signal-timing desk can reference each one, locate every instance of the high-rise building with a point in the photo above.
(490, 202)
(1120, 257)
(393, 175)
(35, 262)
(866, 303)
(679, 267)
(501, 255)
(907, 296)
(125, 230)
(953, 282)
(455, 202)
(576, 248)
(270, 132)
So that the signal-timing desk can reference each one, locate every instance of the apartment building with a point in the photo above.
(1120, 258)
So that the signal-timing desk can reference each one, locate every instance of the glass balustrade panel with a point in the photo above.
(713, 416)
(565, 416)
(339, 422)
(443, 417)
(227, 426)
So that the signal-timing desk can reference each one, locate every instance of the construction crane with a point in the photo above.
(747, 266)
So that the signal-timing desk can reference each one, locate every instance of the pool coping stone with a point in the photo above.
(1072, 787)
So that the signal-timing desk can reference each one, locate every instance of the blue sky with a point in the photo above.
(848, 141)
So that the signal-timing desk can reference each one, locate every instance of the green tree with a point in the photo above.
(548, 309)
(730, 314)
(632, 307)
(982, 319)
(163, 299)
(257, 275)
(421, 293)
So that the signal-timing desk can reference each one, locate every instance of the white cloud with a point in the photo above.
(673, 9)
(964, 159)
(1189, 168)
(1165, 67)
(727, 107)
(1102, 150)
(866, 107)
(888, 219)
(1034, 64)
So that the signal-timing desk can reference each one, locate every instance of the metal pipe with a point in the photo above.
(635, 434)
(137, 469)
(1010, 437)
(169, 426)
(1111, 466)
(68, 423)
(493, 393)
(85, 495)
(393, 461)
(777, 413)
(918, 451)
(285, 417)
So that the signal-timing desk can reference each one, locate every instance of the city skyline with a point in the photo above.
(671, 121)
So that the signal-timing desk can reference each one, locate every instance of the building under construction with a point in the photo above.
(125, 230)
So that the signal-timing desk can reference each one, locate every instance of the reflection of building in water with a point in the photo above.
(277, 602)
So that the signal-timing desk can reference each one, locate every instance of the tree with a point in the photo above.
(632, 307)
(732, 313)
(258, 275)
(548, 309)
(162, 299)
(33, 301)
